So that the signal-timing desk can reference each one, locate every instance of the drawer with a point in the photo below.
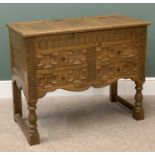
(69, 77)
(107, 73)
(115, 51)
(61, 58)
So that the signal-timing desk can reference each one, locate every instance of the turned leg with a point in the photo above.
(32, 127)
(17, 103)
(113, 91)
(138, 112)
(137, 109)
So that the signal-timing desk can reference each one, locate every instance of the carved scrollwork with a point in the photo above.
(62, 58)
(60, 78)
(116, 50)
(116, 60)
(78, 61)
(122, 69)
(87, 38)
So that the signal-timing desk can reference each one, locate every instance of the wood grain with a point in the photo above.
(82, 24)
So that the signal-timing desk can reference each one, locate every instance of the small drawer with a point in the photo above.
(114, 51)
(59, 78)
(61, 58)
(113, 71)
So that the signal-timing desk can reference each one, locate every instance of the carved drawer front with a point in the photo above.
(68, 78)
(61, 58)
(115, 51)
(107, 73)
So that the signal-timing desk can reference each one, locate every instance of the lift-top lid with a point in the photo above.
(70, 25)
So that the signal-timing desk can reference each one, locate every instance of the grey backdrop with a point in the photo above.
(25, 12)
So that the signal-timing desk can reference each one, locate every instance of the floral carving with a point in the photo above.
(77, 61)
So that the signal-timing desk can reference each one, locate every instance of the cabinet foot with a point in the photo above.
(137, 109)
(32, 138)
(138, 115)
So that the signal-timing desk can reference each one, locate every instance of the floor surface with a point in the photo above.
(82, 123)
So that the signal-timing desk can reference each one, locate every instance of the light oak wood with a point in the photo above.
(75, 54)
(81, 24)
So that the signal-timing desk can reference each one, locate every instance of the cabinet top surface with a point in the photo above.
(73, 25)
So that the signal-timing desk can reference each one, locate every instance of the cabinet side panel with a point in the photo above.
(18, 59)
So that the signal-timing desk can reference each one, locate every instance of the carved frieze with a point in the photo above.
(87, 38)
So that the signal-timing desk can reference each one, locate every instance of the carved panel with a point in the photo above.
(61, 58)
(72, 77)
(87, 38)
(106, 73)
(116, 50)
(116, 60)
(113, 61)
(78, 61)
